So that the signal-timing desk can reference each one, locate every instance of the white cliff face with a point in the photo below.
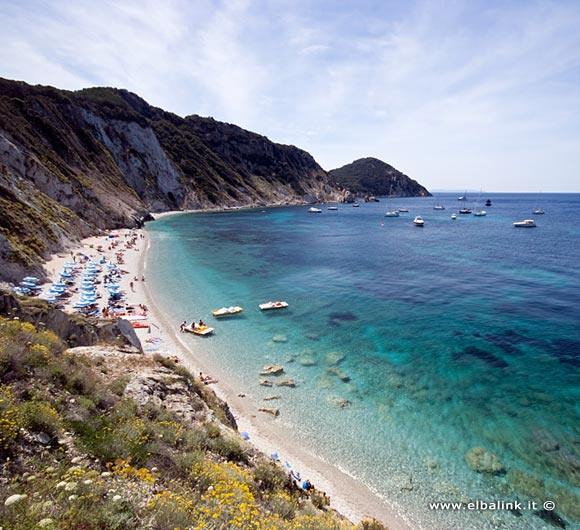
(141, 159)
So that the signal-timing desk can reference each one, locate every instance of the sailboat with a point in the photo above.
(391, 213)
(478, 212)
(538, 210)
(438, 206)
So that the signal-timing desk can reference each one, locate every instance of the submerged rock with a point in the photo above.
(333, 358)
(273, 412)
(272, 370)
(340, 403)
(343, 376)
(286, 382)
(307, 361)
(280, 338)
(483, 461)
(265, 382)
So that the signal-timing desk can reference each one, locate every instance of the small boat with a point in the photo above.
(464, 210)
(314, 210)
(392, 213)
(225, 311)
(479, 213)
(403, 210)
(355, 204)
(537, 209)
(454, 216)
(197, 329)
(273, 305)
(488, 202)
(332, 208)
(438, 206)
(418, 221)
(462, 198)
(526, 223)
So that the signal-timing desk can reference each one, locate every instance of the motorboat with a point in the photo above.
(479, 213)
(464, 210)
(439, 207)
(526, 223)
(538, 211)
(453, 216)
(393, 213)
(355, 204)
(462, 198)
(225, 311)
(197, 329)
(488, 202)
(418, 221)
(332, 208)
(273, 305)
(314, 210)
(403, 210)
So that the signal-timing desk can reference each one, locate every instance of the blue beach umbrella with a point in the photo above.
(31, 279)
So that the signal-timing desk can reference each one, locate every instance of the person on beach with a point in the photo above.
(131, 285)
(182, 328)
(142, 278)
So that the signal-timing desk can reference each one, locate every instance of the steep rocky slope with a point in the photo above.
(72, 163)
(103, 437)
(370, 176)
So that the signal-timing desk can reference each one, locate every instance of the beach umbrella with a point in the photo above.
(27, 284)
(31, 279)
(81, 304)
(65, 275)
(59, 284)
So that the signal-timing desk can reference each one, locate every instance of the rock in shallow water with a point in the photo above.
(272, 370)
(483, 461)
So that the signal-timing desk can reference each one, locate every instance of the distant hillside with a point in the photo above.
(73, 163)
(370, 176)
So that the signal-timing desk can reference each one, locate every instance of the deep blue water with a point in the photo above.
(460, 334)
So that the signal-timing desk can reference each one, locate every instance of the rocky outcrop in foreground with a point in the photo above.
(102, 436)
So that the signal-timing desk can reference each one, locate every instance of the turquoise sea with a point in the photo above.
(409, 346)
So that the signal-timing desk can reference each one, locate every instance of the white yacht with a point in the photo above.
(526, 223)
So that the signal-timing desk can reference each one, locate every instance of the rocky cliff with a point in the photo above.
(370, 176)
(72, 163)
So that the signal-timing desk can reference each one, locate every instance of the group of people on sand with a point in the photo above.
(183, 325)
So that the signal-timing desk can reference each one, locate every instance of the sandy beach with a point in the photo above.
(348, 496)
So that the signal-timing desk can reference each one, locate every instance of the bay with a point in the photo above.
(409, 346)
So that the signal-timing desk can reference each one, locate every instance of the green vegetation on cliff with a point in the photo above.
(72, 163)
(370, 176)
(105, 438)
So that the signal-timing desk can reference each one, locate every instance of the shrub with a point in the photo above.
(41, 417)
(10, 418)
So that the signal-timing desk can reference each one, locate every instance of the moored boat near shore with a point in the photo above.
(225, 311)
(273, 305)
(198, 330)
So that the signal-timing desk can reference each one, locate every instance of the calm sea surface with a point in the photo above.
(409, 346)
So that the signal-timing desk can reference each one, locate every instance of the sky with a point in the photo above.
(456, 94)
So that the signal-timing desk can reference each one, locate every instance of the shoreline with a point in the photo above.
(349, 497)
